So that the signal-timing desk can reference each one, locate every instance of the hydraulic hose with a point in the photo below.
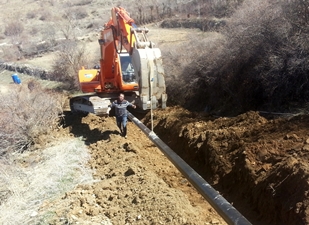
(218, 202)
(115, 32)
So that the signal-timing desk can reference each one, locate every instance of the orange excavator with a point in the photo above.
(129, 64)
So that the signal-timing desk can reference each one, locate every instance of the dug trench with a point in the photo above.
(259, 165)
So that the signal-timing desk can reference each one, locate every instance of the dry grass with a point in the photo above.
(27, 111)
(45, 21)
(180, 63)
(259, 64)
(30, 178)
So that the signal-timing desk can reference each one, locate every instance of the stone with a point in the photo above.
(305, 147)
(215, 221)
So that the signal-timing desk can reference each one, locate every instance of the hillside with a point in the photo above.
(222, 83)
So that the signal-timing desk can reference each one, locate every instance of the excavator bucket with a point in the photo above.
(149, 71)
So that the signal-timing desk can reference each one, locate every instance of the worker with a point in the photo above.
(121, 113)
(127, 72)
(127, 67)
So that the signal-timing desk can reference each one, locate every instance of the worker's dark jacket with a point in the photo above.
(121, 107)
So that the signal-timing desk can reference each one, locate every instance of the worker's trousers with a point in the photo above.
(122, 124)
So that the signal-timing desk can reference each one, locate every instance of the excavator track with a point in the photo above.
(98, 104)
(90, 104)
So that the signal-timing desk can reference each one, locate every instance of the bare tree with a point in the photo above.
(70, 24)
(49, 35)
(151, 11)
(70, 58)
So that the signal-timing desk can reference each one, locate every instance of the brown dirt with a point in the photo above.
(134, 182)
(260, 165)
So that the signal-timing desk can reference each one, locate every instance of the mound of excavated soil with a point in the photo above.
(134, 182)
(260, 165)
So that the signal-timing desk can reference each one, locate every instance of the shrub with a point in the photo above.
(34, 30)
(83, 2)
(75, 14)
(69, 59)
(261, 64)
(70, 24)
(26, 113)
(14, 30)
(31, 15)
(32, 49)
(11, 53)
(45, 15)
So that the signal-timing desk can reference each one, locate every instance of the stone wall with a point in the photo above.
(202, 24)
(26, 69)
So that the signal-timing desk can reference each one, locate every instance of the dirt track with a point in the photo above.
(135, 183)
(259, 165)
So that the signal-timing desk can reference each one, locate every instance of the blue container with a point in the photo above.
(16, 79)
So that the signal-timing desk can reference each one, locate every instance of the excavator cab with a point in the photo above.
(127, 68)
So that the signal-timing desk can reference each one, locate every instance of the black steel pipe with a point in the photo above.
(218, 202)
